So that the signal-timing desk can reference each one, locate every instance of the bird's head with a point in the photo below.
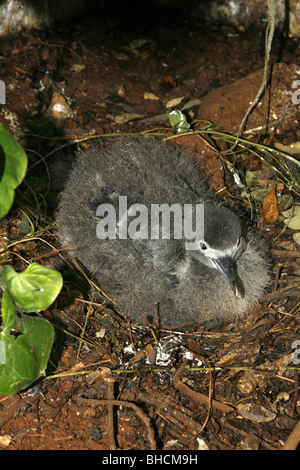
(221, 244)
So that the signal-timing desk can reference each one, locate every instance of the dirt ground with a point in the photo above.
(112, 384)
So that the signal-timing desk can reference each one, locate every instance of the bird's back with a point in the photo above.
(146, 170)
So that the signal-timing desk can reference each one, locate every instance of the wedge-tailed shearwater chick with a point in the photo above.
(135, 213)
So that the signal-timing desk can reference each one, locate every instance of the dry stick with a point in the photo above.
(110, 412)
(128, 404)
(269, 38)
(291, 290)
(209, 400)
(199, 397)
(286, 253)
(59, 45)
(172, 412)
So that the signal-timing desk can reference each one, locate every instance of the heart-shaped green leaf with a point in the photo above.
(26, 343)
(34, 289)
(13, 166)
(25, 340)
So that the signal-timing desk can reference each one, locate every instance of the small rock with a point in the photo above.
(59, 108)
(228, 104)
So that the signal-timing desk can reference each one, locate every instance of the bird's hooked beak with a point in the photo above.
(225, 265)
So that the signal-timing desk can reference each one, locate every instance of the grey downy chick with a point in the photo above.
(221, 278)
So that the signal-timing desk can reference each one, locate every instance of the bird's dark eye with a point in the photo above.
(203, 246)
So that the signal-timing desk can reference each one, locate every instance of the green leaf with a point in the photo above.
(34, 289)
(259, 194)
(13, 166)
(25, 343)
(285, 201)
(178, 121)
(250, 178)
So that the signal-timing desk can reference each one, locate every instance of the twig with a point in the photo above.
(271, 124)
(174, 413)
(269, 38)
(286, 253)
(128, 404)
(110, 412)
(291, 290)
(268, 44)
(59, 45)
(197, 396)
